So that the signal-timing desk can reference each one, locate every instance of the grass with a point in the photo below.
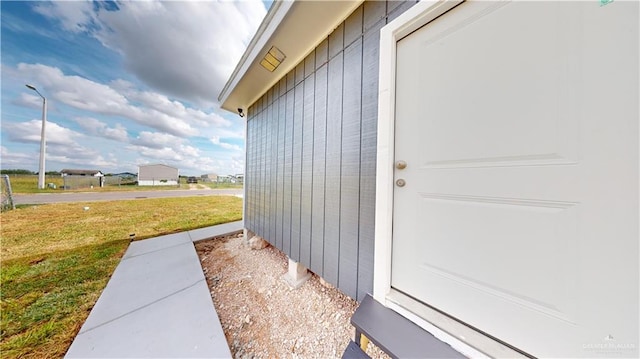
(57, 258)
(221, 185)
(29, 184)
(212, 185)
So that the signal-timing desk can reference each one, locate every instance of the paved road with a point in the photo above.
(42, 198)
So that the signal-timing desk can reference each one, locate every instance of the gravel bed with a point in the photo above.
(262, 316)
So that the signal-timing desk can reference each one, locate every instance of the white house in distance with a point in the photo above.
(79, 173)
(473, 165)
(157, 175)
(73, 172)
(209, 177)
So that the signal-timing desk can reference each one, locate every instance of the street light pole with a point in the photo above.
(43, 139)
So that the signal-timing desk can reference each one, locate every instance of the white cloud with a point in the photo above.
(74, 16)
(176, 154)
(186, 49)
(73, 151)
(28, 100)
(29, 131)
(149, 109)
(189, 159)
(163, 147)
(17, 160)
(163, 105)
(156, 140)
(216, 141)
(62, 145)
(98, 128)
(229, 132)
(95, 161)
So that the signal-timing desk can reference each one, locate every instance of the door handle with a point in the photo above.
(401, 164)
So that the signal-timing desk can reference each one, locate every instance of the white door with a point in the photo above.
(519, 126)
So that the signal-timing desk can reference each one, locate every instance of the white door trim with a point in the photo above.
(459, 336)
(411, 20)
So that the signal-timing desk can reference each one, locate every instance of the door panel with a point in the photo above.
(529, 82)
(510, 188)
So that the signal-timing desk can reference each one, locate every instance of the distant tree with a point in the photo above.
(16, 172)
(52, 173)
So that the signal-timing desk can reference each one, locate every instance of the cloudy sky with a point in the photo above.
(126, 83)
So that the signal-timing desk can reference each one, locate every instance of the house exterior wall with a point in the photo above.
(157, 175)
(311, 154)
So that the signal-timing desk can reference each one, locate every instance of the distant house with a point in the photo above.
(209, 177)
(223, 179)
(157, 175)
(125, 174)
(77, 173)
(72, 172)
(239, 178)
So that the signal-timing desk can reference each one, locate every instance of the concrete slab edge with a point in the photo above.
(154, 251)
(224, 229)
(217, 235)
(293, 283)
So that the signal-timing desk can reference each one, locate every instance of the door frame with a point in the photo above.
(411, 20)
(461, 337)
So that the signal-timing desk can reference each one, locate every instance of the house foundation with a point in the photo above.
(247, 235)
(296, 275)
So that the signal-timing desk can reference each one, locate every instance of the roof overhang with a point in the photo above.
(294, 27)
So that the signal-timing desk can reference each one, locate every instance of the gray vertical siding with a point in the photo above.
(311, 154)
(296, 184)
(258, 168)
(268, 111)
(332, 170)
(307, 160)
(319, 162)
(288, 168)
(249, 215)
(282, 106)
(368, 147)
(350, 164)
(273, 159)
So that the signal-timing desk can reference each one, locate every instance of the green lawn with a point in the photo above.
(29, 184)
(221, 185)
(57, 258)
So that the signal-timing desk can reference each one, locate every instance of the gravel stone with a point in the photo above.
(262, 317)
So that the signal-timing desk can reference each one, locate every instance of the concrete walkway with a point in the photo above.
(157, 304)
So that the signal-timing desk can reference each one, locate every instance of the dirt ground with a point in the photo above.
(198, 186)
(262, 316)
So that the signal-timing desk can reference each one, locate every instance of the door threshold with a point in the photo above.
(461, 337)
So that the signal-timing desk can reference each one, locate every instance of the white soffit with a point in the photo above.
(294, 27)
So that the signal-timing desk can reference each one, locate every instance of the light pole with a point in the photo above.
(43, 139)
